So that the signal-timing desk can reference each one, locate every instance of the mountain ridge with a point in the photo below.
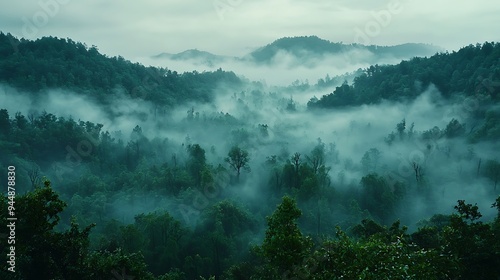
(304, 48)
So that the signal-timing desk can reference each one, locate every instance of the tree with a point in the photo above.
(238, 160)
(20, 121)
(263, 129)
(454, 129)
(117, 265)
(368, 228)
(492, 171)
(42, 252)
(472, 242)
(370, 160)
(227, 226)
(163, 236)
(284, 245)
(378, 196)
(34, 175)
(276, 173)
(196, 163)
(317, 157)
(135, 147)
(400, 127)
(5, 125)
(296, 163)
(233, 219)
(381, 256)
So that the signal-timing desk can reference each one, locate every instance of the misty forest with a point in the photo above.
(388, 170)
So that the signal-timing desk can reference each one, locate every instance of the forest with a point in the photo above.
(126, 171)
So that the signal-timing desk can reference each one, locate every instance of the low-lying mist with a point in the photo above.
(283, 69)
(267, 123)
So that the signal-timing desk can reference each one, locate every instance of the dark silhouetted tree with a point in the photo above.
(238, 160)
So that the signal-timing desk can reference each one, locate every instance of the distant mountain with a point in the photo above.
(313, 46)
(307, 49)
(197, 56)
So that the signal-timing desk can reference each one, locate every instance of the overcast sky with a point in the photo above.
(235, 27)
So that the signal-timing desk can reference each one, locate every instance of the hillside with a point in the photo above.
(473, 71)
(52, 62)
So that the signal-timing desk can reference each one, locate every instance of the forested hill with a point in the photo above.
(308, 51)
(52, 62)
(473, 70)
(306, 46)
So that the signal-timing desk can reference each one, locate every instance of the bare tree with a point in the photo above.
(34, 175)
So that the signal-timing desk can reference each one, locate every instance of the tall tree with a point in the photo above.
(196, 163)
(4, 123)
(317, 157)
(492, 171)
(378, 197)
(284, 245)
(400, 127)
(238, 160)
(370, 160)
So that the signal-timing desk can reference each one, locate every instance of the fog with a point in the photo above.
(283, 69)
(235, 118)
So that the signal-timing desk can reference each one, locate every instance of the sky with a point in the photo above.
(135, 29)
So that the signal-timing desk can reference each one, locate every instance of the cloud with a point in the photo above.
(449, 166)
(284, 68)
(134, 29)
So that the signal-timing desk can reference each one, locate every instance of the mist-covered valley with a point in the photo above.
(202, 173)
(294, 60)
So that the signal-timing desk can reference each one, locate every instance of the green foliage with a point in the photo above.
(117, 265)
(44, 253)
(284, 245)
(427, 238)
(490, 128)
(472, 242)
(429, 235)
(438, 221)
(163, 235)
(51, 62)
(379, 198)
(229, 229)
(368, 228)
(174, 274)
(197, 164)
(466, 240)
(5, 126)
(376, 259)
(463, 71)
(231, 219)
(492, 171)
(317, 158)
